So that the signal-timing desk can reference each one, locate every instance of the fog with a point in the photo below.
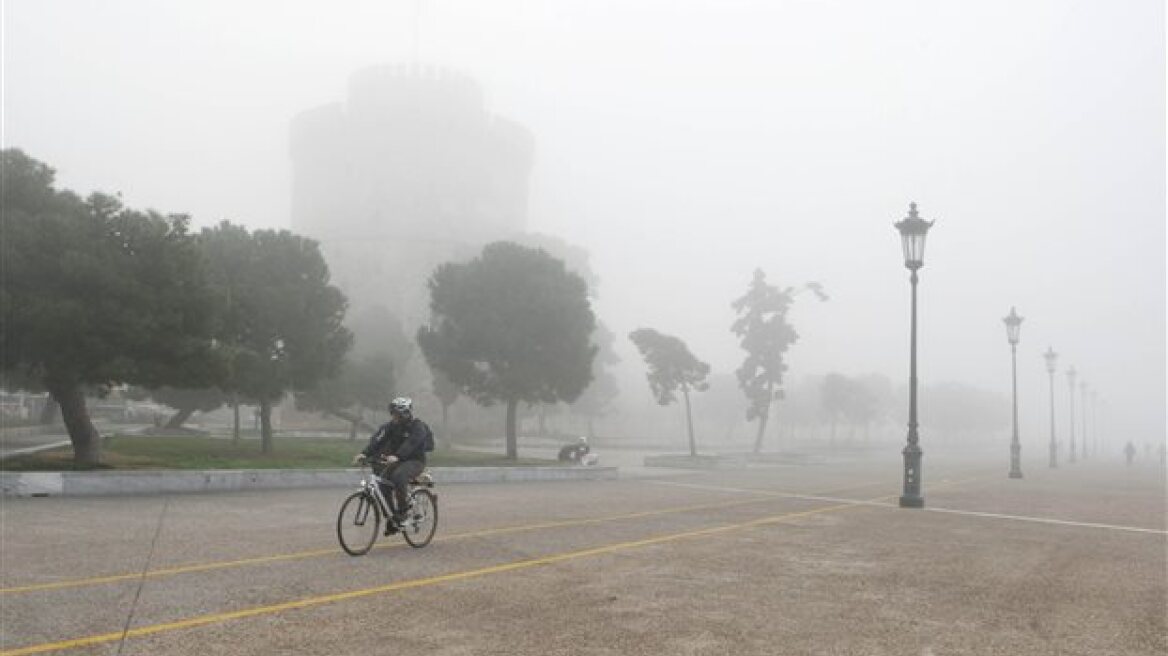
(684, 144)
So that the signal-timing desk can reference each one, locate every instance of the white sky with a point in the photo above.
(685, 143)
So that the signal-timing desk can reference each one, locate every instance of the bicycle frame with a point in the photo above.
(371, 484)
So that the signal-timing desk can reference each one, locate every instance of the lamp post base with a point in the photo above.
(1015, 474)
(912, 502)
(911, 496)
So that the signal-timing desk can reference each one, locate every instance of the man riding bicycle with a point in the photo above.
(400, 445)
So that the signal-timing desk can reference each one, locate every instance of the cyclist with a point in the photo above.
(400, 445)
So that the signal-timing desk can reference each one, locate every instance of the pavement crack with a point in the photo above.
(142, 576)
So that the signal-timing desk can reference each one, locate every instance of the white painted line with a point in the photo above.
(32, 449)
(971, 513)
(1044, 520)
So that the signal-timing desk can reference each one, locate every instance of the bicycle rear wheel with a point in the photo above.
(358, 523)
(423, 518)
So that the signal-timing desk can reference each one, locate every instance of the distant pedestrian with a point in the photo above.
(1129, 451)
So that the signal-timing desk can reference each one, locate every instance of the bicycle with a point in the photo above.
(359, 520)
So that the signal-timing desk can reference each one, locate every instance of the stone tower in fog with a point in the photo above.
(408, 172)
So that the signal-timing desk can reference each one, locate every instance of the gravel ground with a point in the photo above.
(1071, 561)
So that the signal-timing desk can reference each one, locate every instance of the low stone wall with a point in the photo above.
(30, 484)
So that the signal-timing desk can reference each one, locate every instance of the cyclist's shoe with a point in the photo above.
(390, 527)
(399, 521)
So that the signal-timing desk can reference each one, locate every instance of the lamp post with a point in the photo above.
(1083, 414)
(912, 236)
(1013, 330)
(1071, 382)
(1095, 419)
(1051, 363)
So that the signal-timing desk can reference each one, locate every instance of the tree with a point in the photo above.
(671, 367)
(377, 331)
(853, 399)
(93, 293)
(765, 335)
(961, 412)
(511, 325)
(283, 320)
(603, 389)
(188, 401)
(362, 383)
(835, 397)
(447, 393)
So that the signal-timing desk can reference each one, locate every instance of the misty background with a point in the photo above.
(685, 144)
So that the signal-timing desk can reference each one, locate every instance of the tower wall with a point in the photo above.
(410, 171)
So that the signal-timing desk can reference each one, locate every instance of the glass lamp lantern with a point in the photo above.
(1013, 326)
(913, 230)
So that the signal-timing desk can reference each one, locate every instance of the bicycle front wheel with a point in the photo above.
(422, 520)
(358, 523)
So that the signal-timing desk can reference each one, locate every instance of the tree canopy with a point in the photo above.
(93, 293)
(766, 335)
(511, 325)
(283, 322)
(603, 389)
(671, 368)
(364, 382)
(187, 401)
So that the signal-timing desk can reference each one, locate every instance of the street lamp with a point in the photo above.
(1095, 418)
(1083, 413)
(912, 236)
(1051, 363)
(1013, 329)
(1071, 382)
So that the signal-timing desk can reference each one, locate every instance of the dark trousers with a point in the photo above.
(400, 474)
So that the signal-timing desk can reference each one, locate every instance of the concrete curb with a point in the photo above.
(43, 484)
(731, 460)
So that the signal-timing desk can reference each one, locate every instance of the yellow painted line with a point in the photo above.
(769, 495)
(202, 567)
(216, 618)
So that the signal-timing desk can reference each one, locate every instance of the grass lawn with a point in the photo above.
(189, 452)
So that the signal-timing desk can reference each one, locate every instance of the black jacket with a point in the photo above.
(402, 439)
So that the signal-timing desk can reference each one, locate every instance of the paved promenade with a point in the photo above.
(784, 560)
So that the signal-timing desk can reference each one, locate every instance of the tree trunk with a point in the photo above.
(86, 441)
(180, 418)
(49, 411)
(512, 446)
(693, 446)
(762, 420)
(266, 446)
(591, 429)
(762, 425)
(445, 419)
(542, 418)
(235, 419)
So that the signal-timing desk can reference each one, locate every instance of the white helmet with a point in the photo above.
(402, 405)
